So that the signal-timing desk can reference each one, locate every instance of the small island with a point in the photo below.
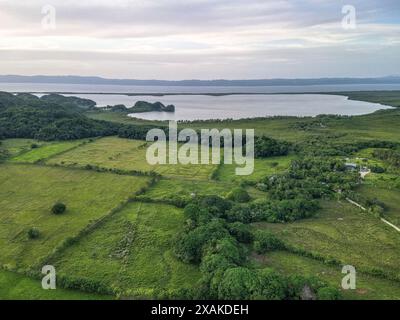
(142, 106)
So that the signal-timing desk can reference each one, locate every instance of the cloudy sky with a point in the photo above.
(202, 39)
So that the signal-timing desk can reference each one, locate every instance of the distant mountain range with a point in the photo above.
(213, 83)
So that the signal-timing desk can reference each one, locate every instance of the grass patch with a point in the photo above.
(18, 146)
(389, 197)
(132, 253)
(27, 194)
(14, 286)
(46, 151)
(342, 232)
(167, 189)
(127, 154)
(367, 287)
(262, 168)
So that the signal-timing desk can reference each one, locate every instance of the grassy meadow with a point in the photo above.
(367, 287)
(27, 195)
(344, 233)
(132, 253)
(46, 151)
(14, 286)
(126, 154)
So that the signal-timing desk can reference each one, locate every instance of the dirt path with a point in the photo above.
(383, 220)
(390, 224)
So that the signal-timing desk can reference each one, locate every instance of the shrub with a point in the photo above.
(377, 169)
(273, 285)
(215, 205)
(189, 246)
(33, 233)
(58, 208)
(266, 241)
(239, 195)
(239, 212)
(238, 284)
(213, 262)
(328, 293)
(241, 231)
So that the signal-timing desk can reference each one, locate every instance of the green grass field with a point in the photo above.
(367, 287)
(132, 253)
(46, 151)
(390, 197)
(27, 194)
(262, 168)
(18, 146)
(342, 232)
(126, 154)
(167, 189)
(18, 287)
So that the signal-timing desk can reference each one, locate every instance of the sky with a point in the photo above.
(200, 39)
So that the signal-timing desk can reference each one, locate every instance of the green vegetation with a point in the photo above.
(132, 254)
(126, 154)
(33, 233)
(19, 287)
(343, 234)
(58, 208)
(68, 102)
(14, 147)
(368, 287)
(132, 230)
(38, 154)
(31, 117)
(88, 197)
(144, 106)
(262, 168)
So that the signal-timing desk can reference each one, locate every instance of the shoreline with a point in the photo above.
(160, 94)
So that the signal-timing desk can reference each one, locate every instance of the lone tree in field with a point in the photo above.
(33, 233)
(58, 208)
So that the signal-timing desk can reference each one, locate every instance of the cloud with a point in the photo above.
(198, 37)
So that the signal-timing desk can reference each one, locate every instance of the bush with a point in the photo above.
(33, 233)
(241, 231)
(226, 247)
(273, 285)
(239, 195)
(59, 208)
(215, 205)
(328, 293)
(239, 284)
(377, 169)
(266, 241)
(213, 262)
(239, 212)
(189, 246)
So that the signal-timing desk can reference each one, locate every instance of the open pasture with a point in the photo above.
(344, 233)
(132, 253)
(27, 194)
(127, 154)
